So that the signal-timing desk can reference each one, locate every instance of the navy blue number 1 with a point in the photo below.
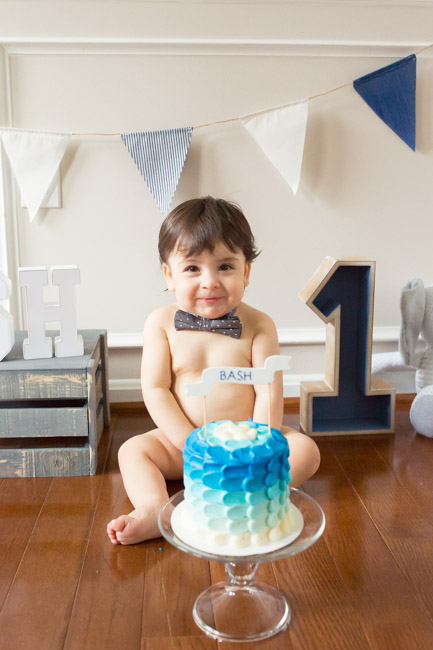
(354, 406)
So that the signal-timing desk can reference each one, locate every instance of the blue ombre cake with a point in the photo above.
(236, 477)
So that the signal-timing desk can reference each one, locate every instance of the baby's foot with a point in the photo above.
(136, 527)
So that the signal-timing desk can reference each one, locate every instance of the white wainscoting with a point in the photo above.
(306, 346)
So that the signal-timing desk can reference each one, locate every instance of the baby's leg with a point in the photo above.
(304, 456)
(145, 462)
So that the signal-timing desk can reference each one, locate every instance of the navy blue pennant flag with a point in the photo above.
(160, 156)
(390, 93)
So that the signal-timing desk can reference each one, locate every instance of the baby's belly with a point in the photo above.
(225, 402)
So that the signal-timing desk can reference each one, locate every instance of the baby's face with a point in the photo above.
(208, 284)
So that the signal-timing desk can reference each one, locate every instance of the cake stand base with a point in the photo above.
(241, 609)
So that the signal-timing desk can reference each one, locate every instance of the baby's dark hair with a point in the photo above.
(199, 224)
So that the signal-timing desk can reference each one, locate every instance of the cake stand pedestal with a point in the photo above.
(242, 609)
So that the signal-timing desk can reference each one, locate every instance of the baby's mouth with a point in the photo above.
(211, 299)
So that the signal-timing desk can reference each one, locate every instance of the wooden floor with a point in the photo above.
(367, 583)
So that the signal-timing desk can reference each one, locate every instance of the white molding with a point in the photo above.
(4, 254)
(9, 247)
(129, 390)
(286, 336)
(291, 383)
(317, 335)
(211, 47)
(126, 340)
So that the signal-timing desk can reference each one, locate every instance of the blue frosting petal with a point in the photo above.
(231, 484)
(254, 498)
(212, 480)
(253, 483)
(270, 479)
(274, 464)
(234, 471)
(212, 496)
(244, 455)
(236, 512)
(234, 498)
(216, 453)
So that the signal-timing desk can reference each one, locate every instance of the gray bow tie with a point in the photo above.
(228, 324)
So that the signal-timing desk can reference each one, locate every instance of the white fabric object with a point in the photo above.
(427, 324)
(421, 412)
(34, 158)
(386, 362)
(412, 307)
(281, 135)
(7, 334)
(424, 375)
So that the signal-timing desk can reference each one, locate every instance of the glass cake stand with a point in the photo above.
(242, 609)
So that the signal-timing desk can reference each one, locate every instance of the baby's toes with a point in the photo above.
(114, 527)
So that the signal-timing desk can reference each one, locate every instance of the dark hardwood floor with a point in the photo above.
(367, 583)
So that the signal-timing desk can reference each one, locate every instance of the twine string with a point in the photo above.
(230, 119)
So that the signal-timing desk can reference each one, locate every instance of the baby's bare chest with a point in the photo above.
(192, 352)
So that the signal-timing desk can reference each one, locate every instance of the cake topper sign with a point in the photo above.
(236, 375)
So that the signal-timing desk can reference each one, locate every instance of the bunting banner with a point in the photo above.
(160, 157)
(281, 135)
(390, 93)
(34, 158)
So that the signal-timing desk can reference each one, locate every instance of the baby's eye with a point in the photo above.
(192, 269)
(226, 267)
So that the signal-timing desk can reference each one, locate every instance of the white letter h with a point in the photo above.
(37, 345)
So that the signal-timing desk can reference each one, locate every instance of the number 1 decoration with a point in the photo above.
(349, 400)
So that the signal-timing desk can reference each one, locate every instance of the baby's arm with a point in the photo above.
(156, 383)
(265, 344)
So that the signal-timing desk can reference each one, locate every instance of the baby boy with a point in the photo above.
(206, 248)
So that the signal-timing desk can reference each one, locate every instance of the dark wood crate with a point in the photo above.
(53, 411)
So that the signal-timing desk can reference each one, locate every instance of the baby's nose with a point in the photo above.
(209, 280)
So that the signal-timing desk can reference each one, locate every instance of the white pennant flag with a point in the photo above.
(34, 158)
(280, 133)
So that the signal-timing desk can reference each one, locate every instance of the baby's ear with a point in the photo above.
(247, 273)
(168, 275)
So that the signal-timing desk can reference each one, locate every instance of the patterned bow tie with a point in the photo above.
(228, 324)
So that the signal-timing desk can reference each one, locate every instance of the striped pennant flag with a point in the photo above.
(160, 157)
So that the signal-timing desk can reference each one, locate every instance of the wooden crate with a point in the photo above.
(53, 411)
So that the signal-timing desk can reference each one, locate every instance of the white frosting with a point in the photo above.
(236, 545)
(234, 431)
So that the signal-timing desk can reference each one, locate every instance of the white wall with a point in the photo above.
(111, 67)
